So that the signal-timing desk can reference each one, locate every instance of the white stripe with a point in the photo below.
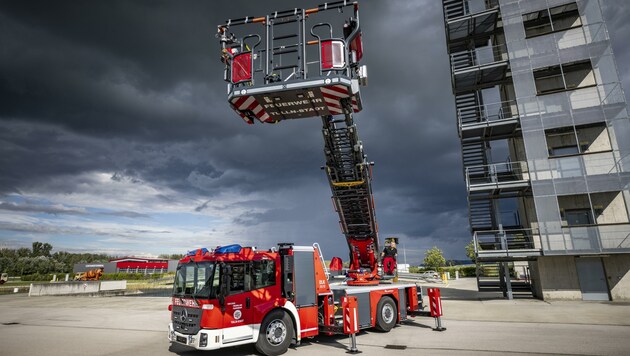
(264, 117)
(331, 100)
(247, 103)
(257, 109)
(305, 330)
(335, 93)
(355, 107)
(334, 110)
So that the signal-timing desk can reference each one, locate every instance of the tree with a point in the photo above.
(41, 249)
(434, 258)
(470, 251)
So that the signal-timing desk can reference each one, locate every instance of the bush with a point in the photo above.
(468, 271)
(41, 277)
(123, 276)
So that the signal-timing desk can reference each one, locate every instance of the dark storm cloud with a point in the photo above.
(134, 89)
(47, 209)
(64, 210)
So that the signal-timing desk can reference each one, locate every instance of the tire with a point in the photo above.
(386, 314)
(276, 333)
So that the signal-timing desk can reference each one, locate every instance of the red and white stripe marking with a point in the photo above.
(332, 96)
(250, 103)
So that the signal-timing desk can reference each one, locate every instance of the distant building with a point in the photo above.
(545, 138)
(131, 265)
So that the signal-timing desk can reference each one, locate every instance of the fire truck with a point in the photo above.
(291, 65)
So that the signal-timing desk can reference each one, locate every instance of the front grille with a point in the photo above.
(190, 324)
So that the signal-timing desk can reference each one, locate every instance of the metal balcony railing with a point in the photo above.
(497, 175)
(486, 55)
(487, 113)
(507, 243)
(457, 8)
(593, 239)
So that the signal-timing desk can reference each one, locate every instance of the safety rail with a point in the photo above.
(289, 44)
(494, 113)
(486, 55)
(591, 239)
(496, 175)
(507, 243)
(321, 259)
(457, 8)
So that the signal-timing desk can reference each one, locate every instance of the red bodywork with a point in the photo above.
(250, 307)
(262, 300)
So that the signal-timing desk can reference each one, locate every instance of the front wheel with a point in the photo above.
(386, 314)
(276, 333)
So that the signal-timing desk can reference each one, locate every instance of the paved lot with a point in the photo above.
(477, 324)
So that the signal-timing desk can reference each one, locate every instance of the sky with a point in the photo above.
(116, 136)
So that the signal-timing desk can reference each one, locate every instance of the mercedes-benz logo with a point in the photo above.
(184, 315)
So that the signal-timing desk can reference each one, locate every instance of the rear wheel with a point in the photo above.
(276, 333)
(386, 314)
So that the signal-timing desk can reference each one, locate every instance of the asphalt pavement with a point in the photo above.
(477, 324)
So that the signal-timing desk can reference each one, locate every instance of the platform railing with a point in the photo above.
(496, 173)
(589, 239)
(487, 112)
(478, 57)
(506, 242)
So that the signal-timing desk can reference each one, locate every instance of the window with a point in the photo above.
(562, 77)
(264, 274)
(578, 217)
(572, 140)
(593, 209)
(237, 283)
(550, 20)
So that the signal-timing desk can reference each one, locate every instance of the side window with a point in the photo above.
(264, 273)
(238, 278)
(190, 280)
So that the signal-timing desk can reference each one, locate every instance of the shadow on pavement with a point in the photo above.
(336, 341)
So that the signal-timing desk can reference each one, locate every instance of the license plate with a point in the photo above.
(182, 339)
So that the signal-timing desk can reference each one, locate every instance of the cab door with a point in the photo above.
(237, 317)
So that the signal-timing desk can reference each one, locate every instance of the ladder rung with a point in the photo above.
(282, 37)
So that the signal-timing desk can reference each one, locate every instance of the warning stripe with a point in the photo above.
(332, 96)
(249, 103)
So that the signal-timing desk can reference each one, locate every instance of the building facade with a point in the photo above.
(545, 138)
(131, 265)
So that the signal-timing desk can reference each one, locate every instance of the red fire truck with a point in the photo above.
(291, 65)
(237, 295)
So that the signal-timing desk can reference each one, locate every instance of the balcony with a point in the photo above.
(497, 245)
(584, 240)
(469, 25)
(488, 121)
(478, 68)
(498, 177)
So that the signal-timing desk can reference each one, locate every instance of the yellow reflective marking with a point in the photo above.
(348, 184)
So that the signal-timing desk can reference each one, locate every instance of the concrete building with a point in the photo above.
(545, 138)
(131, 265)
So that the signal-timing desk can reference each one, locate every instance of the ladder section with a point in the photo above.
(321, 259)
(474, 154)
(453, 9)
(350, 182)
(467, 106)
(481, 214)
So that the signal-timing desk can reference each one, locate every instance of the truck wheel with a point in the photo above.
(276, 333)
(386, 314)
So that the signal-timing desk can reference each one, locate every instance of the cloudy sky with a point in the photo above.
(116, 136)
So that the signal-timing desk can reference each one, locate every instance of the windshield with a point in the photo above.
(196, 279)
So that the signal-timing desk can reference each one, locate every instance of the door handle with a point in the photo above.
(247, 302)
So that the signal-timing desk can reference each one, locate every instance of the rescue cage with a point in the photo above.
(294, 64)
